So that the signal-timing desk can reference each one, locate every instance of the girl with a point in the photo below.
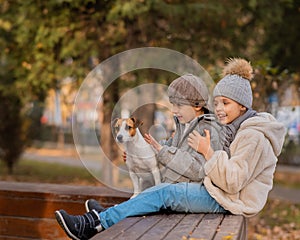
(240, 177)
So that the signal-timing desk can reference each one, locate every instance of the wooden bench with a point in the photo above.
(27, 212)
(177, 227)
(27, 209)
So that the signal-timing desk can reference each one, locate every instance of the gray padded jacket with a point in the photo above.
(177, 160)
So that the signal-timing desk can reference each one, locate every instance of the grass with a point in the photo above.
(287, 179)
(295, 185)
(43, 172)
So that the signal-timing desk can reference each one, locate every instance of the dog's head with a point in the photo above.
(125, 128)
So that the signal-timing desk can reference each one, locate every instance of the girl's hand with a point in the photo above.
(124, 156)
(194, 140)
(149, 139)
(201, 144)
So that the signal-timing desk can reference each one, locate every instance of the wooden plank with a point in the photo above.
(30, 228)
(163, 227)
(138, 229)
(185, 227)
(208, 226)
(54, 191)
(37, 207)
(117, 229)
(2, 237)
(231, 228)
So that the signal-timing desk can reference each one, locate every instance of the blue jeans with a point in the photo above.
(179, 197)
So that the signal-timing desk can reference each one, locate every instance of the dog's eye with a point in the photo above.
(117, 128)
(128, 127)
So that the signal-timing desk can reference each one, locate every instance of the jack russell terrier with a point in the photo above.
(140, 157)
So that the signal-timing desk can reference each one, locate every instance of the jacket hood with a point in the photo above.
(273, 130)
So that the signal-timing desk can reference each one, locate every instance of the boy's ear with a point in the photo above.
(197, 108)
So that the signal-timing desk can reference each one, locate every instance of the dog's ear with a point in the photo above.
(136, 122)
(113, 123)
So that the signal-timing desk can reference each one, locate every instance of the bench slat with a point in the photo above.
(209, 222)
(31, 228)
(138, 229)
(37, 207)
(119, 228)
(2, 237)
(185, 227)
(232, 227)
(163, 227)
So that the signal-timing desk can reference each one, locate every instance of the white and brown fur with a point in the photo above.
(140, 157)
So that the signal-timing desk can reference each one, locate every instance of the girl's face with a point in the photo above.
(227, 110)
(184, 113)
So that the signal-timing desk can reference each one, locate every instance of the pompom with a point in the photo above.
(238, 66)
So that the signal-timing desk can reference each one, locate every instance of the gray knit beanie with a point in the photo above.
(188, 90)
(236, 82)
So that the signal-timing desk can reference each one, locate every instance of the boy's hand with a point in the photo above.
(149, 139)
(201, 144)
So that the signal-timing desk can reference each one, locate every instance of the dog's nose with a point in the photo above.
(120, 138)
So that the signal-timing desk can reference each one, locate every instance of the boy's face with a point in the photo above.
(184, 113)
(227, 110)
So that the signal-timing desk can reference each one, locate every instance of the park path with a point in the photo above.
(69, 156)
(290, 174)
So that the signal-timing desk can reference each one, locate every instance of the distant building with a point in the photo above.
(289, 112)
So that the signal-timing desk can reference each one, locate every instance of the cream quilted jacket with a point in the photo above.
(241, 184)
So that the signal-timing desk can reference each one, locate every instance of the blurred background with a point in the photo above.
(49, 47)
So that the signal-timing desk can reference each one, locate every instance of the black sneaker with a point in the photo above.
(91, 204)
(80, 227)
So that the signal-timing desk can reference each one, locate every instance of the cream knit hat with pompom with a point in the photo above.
(235, 83)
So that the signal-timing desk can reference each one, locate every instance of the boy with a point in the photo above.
(178, 162)
(189, 97)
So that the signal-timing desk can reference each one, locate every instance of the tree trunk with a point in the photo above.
(109, 146)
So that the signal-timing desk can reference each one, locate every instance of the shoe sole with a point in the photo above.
(87, 206)
(64, 226)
